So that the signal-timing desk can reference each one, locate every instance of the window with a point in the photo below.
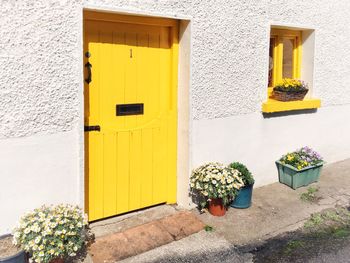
(285, 57)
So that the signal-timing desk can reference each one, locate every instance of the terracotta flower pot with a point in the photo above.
(57, 260)
(216, 207)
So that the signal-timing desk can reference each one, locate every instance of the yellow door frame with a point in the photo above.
(174, 35)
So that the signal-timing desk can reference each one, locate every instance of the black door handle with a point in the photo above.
(92, 128)
(89, 77)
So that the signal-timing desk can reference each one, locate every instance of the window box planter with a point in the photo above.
(289, 96)
(295, 178)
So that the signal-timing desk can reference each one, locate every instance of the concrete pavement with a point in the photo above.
(276, 209)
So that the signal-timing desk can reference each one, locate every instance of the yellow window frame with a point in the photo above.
(272, 105)
(279, 35)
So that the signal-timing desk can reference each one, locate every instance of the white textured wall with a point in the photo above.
(41, 92)
(259, 142)
(34, 171)
(39, 67)
(40, 55)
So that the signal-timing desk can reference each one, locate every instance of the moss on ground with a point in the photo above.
(310, 196)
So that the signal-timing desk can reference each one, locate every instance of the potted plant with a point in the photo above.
(52, 233)
(290, 90)
(299, 168)
(9, 252)
(244, 197)
(218, 185)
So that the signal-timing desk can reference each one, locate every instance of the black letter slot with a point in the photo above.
(129, 109)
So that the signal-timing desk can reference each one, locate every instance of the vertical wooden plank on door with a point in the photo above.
(158, 182)
(107, 95)
(110, 178)
(95, 139)
(136, 170)
(160, 142)
(154, 87)
(154, 109)
(147, 167)
(131, 75)
(119, 57)
(123, 171)
(143, 74)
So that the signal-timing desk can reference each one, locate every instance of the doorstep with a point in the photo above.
(141, 238)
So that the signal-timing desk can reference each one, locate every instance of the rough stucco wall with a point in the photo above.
(40, 56)
(39, 67)
(332, 53)
(40, 88)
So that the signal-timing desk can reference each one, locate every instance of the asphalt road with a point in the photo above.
(328, 245)
(329, 250)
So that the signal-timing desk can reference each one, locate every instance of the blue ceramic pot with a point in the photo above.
(244, 197)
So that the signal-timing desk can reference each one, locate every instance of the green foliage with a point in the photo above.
(314, 221)
(51, 232)
(310, 195)
(333, 217)
(293, 245)
(214, 180)
(208, 228)
(291, 85)
(341, 232)
(302, 158)
(246, 175)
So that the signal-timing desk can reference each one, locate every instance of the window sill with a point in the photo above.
(278, 106)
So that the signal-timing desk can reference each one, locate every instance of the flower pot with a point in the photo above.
(18, 257)
(288, 96)
(57, 260)
(216, 207)
(244, 197)
(295, 178)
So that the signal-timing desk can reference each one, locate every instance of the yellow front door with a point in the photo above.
(130, 113)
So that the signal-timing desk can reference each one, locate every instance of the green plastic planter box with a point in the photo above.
(297, 178)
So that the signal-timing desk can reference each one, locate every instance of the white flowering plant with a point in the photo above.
(214, 180)
(51, 232)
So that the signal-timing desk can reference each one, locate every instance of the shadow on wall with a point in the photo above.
(288, 113)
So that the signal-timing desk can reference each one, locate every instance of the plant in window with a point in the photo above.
(290, 90)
